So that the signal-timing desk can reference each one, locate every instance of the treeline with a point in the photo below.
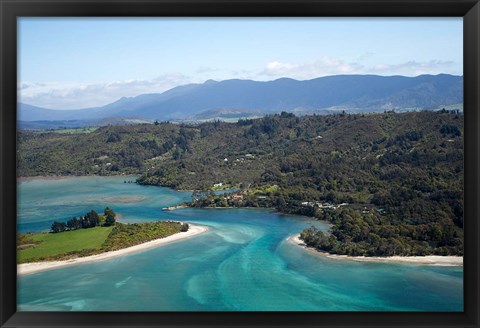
(89, 220)
(408, 229)
(358, 234)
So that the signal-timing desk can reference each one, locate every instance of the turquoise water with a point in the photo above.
(243, 263)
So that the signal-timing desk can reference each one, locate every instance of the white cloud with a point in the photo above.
(322, 67)
(413, 68)
(331, 66)
(74, 95)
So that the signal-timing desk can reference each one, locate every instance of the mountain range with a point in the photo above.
(247, 98)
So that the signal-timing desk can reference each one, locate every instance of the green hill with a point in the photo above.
(401, 170)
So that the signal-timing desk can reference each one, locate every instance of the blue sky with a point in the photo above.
(67, 63)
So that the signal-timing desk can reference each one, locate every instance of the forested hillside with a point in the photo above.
(398, 176)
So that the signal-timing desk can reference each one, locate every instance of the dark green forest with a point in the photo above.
(399, 176)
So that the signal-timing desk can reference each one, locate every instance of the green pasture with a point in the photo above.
(54, 244)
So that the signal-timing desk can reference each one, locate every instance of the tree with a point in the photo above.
(184, 227)
(114, 137)
(58, 227)
(280, 203)
(74, 224)
(109, 217)
(91, 220)
(108, 210)
(177, 153)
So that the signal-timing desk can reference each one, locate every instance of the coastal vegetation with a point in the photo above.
(34, 247)
(364, 233)
(126, 235)
(390, 183)
(89, 220)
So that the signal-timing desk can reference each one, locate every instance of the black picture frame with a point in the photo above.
(11, 9)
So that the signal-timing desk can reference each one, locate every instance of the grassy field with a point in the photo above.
(54, 245)
(84, 242)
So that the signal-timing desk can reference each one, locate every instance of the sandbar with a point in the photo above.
(175, 207)
(423, 260)
(33, 267)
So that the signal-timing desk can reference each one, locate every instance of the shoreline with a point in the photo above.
(421, 260)
(34, 267)
(172, 208)
(175, 207)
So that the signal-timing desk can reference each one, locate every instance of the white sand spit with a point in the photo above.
(424, 260)
(27, 268)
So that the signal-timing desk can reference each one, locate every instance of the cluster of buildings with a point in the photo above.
(235, 197)
(324, 205)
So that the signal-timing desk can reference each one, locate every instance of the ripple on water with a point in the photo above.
(62, 304)
(122, 282)
(242, 263)
(202, 287)
(124, 199)
(238, 234)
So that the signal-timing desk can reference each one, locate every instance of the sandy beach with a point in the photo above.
(27, 268)
(175, 207)
(424, 260)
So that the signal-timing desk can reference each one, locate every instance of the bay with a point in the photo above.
(243, 262)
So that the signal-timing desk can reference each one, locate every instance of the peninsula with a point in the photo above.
(94, 237)
(33, 267)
